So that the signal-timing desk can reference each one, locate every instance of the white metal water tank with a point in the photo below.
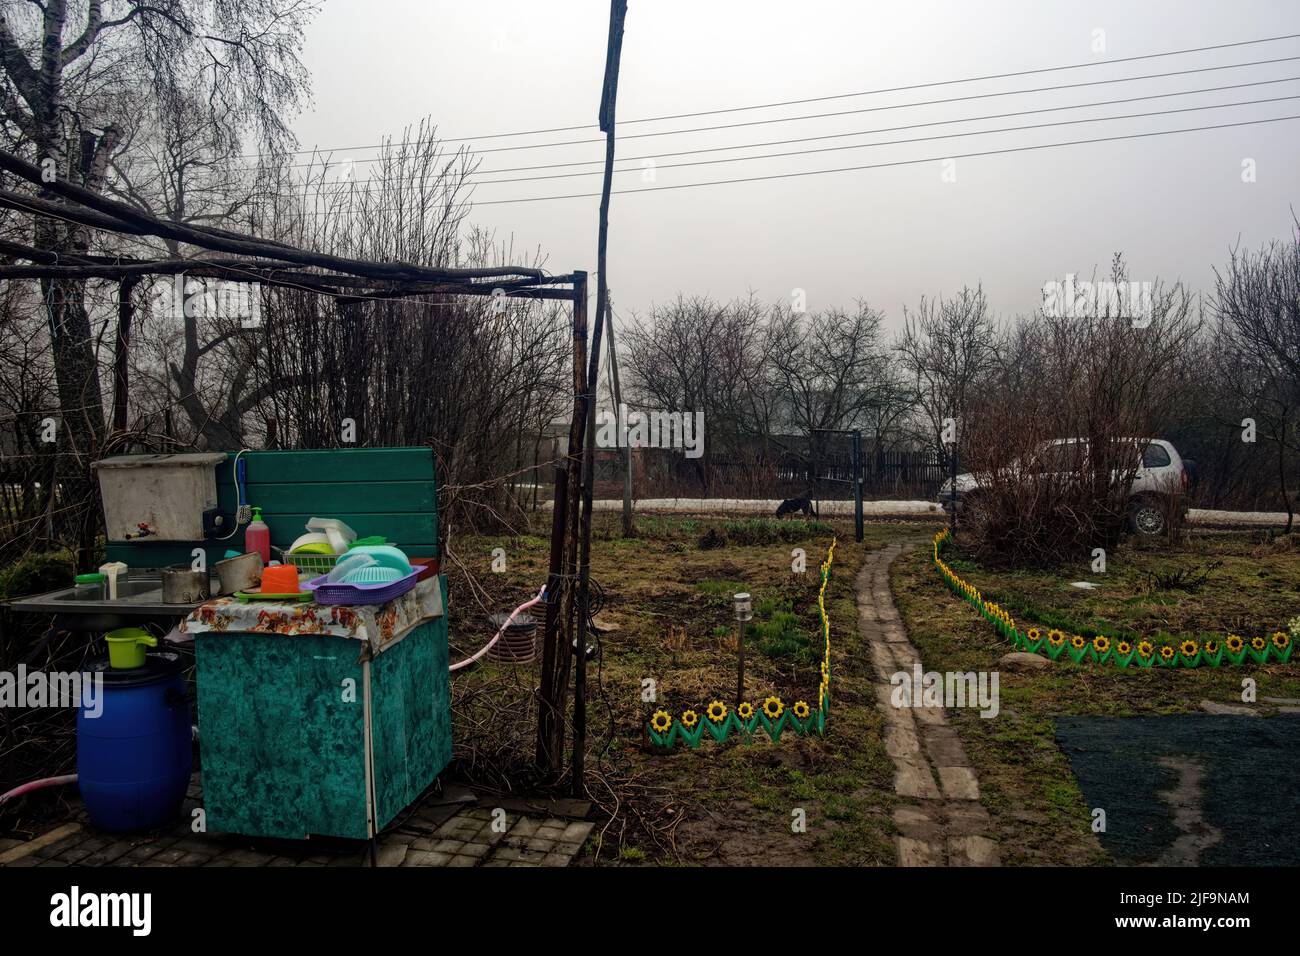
(166, 494)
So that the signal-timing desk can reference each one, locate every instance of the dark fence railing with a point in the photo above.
(660, 473)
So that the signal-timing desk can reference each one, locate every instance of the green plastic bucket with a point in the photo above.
(126, 647)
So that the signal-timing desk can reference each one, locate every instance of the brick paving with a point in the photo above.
(943, 823)
(434, 834)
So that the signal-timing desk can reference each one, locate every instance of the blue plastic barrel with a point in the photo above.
(134, 758)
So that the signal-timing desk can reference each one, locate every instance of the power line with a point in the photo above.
(344, 188)
(895, 106)
(825, 98)
(904, 162)
(891, 129)
(915, 139)
(872, 165)
(898, 142)
(837, 113)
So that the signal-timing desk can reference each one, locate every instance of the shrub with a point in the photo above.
(712, 540)
(36, 572)
(1055, 436)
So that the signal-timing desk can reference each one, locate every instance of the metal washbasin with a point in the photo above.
(138, 598)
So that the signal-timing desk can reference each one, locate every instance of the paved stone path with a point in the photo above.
(943, 823)
(455, 832)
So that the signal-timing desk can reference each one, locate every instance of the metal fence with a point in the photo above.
(900, 474)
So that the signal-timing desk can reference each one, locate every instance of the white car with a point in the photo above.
(1160, 473)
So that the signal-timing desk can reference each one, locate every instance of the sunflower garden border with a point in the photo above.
(772, 717)
(1119, 651)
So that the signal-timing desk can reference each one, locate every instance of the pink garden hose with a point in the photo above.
(37, 785)
(474, 658)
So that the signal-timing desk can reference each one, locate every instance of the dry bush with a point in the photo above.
(1104, 382)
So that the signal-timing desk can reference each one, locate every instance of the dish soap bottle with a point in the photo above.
(257, 537)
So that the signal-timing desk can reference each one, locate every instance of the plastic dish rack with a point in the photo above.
(338, 593)
(312, 563)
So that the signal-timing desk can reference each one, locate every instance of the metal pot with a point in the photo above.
(239, 573)
(183, 585)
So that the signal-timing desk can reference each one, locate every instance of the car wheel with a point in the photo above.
(1146, 518)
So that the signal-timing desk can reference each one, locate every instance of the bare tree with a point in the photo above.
(478, 378)
(830, 370)
(1257, 307)
(948, 349)
(1104, 382)
(695, 354)
(74, 77)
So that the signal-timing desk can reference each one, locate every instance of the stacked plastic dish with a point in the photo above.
(316, 551)
(372, 574)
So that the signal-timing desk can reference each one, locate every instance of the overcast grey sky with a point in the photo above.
(1173, 204)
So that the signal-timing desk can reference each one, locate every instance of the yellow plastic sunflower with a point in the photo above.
(717, 711)
(1235, 643)
(1101, 643)
(1189, 648)
(745, 710)
(689, 719)
(801, 709)
(661, 721)
(773, 707)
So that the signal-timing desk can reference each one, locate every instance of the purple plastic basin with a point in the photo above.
(381, 593)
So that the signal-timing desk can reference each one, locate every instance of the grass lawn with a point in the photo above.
(1230, 584)
(669, 600)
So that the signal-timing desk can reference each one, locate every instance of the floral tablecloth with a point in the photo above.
(378, 625)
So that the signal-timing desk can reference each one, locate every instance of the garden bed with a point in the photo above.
(670, 602)
(1025, 780)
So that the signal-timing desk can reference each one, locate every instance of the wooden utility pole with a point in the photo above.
(121, 350)
(617, 14)
(553, 689)
(626, 452)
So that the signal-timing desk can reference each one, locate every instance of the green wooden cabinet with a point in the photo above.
(283, 731)
(282, 718)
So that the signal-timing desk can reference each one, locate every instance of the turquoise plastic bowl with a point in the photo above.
(385, 556)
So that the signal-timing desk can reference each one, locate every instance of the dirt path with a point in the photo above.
(1187, 798)
(943, 823)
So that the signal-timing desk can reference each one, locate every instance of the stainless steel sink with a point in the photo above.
(138, 598)
(138, 588)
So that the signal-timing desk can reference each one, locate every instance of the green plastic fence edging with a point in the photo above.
(1103, 648)
(665, 731)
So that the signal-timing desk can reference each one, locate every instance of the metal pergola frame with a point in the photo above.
(245, 258)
